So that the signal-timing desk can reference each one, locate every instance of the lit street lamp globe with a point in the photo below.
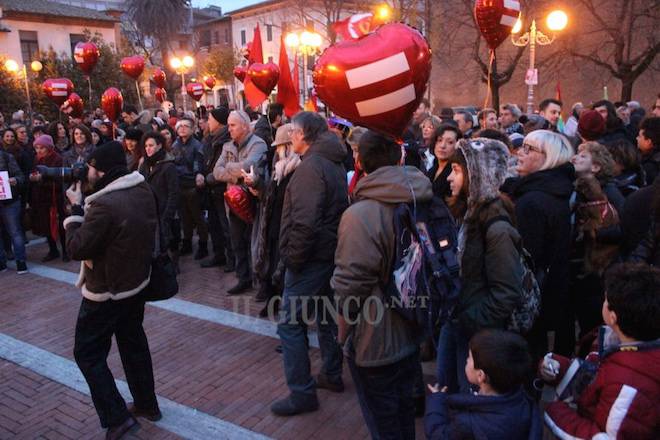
(292, 40)
(175, 63)
(557, 20)
(36, 66)
(11, 66)
(188, 61)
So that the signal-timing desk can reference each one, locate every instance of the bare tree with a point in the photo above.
(619, 36)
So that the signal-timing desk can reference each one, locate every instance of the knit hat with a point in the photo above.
(108, 156)
(133, 134)
(45, 141)
(487, 167)
(220, 114)
(533, 122)
(591, 125)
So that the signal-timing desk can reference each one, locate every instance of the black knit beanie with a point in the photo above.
(107, 156)
(220, 114)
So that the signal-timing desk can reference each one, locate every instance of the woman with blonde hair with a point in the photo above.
(541, 195)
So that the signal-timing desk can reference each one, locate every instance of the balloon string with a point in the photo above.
(490, 73)
(137, 88)
(89, 85)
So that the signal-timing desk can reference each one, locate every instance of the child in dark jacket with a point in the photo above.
(498, 363)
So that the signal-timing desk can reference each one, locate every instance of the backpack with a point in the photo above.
(424, 283)
(524, 315)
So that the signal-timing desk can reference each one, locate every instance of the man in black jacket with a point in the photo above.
(648, 142)
(314, 201)
(267, 125)
(114, 238)
(218, 223)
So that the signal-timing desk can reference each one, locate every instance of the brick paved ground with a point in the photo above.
(231, 374)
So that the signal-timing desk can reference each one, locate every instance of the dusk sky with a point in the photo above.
(226, 5)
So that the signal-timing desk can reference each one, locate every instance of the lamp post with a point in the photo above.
(307, 43)
(35, 66)
(181, 66)
(555, 21)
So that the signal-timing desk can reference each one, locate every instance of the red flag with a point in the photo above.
(355, 26)
(286, 92)
(256, 52)
(296, 73)
(558, 91)
(253, 95)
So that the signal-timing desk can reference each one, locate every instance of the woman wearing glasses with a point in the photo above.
(541, 195)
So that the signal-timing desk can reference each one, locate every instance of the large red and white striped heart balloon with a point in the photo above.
(378, 80)
(496, 19)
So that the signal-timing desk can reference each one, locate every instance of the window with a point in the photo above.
(205, 38)
(29, 46)
(270, 59)
(243, 37)
(226, 35)
(75, 39)
(216, 37)
(269, 32)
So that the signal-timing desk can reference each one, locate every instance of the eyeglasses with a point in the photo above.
(526, 148)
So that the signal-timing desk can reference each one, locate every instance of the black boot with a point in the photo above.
(51, 255)
(186, 248)
(202, 251)
(239, 288)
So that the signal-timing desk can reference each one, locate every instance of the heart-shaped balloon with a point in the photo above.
(158, 77)
(57, 89)
(209, 81)
(112, 103)
(73, 106)
(86, 56)
(161, 95)
(133, 66)
(240, 72)
(264, 76)
(195, 91)
(496, 19)
(240, 202)
(378, 80)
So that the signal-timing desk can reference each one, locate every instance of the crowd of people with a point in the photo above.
(303, 208)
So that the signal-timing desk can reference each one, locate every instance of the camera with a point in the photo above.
(76, 173)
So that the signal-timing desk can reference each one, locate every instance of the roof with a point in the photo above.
(53, 9)
(255, 6)
(213, 20)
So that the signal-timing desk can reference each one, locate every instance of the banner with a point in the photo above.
(5, 187)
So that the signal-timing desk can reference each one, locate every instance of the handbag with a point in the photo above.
(163, 283)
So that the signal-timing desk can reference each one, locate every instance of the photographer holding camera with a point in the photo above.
(114, 238)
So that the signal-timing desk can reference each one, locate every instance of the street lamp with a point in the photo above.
(556, 21)
(181, 66)
(307, 43)
(13, 67)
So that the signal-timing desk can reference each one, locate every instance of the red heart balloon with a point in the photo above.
(73, 106)
(57, 89)
(133, 66)
(86, 56)
(210, 82)
(240, 72)
(112, 103)
(496, 19)
(158, 77)
(195, 91)
(264, 76)
(378, 80)
(161, 95)
(240, 202)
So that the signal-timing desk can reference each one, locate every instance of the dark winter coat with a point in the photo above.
(512, 416)
(265, 130)
(440, 184)
(315, 199)
(164, 181)
(544, 220)
(115, 239)
(651, 165)
(8, 163)
(44, 195)
(648, 250)
(189, 160)
(73, 154)
(212, 148)
(629, 182)
(636, 218)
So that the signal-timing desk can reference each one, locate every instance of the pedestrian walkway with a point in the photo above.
(215, 364)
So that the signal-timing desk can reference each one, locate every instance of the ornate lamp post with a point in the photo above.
(182, 66)
(556, 21)
(307, 43)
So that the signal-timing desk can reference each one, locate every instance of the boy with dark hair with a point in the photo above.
(623, 400)
(550, 109)
(498, 363)
(380, 344)
(648, 142)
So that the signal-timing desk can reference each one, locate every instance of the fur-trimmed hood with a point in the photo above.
(123, 182)
(487, 166)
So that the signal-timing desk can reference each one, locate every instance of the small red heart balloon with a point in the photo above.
(264, 76)
(86, 56)
(158, 77)
(133, 66)
(73, 106)
(161, 95)
(57, 89)
(195, 91)
(112, 103)
(240, 202)
(495, 19)
(378, 80)
(240, 72)
(210, 82)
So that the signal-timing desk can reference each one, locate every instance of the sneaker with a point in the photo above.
(3, 266)
(153, 415)
(290, 406)
(21, 267)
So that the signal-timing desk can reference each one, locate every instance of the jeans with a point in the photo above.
(385, 396)
(240, 241)
(97, 322)
(190, 208)
(303, 294)
(10, 216)
(219, 227)
(452, 356)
